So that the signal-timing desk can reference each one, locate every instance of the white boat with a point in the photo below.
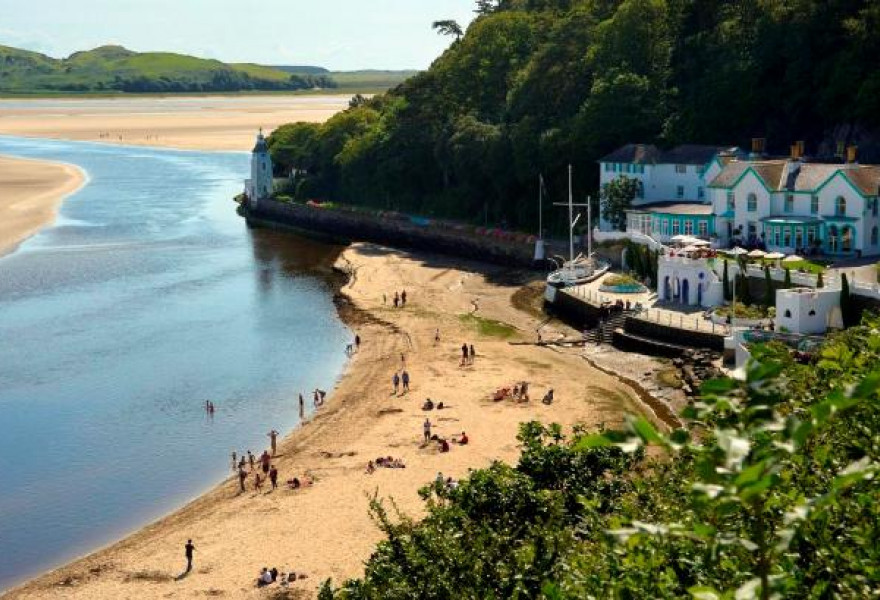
(578, 271)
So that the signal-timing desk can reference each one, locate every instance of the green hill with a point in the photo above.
(117, 69)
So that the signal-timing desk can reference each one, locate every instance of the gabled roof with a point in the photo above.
(640, 154)
(690, 154)
(781, 175)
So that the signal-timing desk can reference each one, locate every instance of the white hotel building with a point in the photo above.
(785, 204)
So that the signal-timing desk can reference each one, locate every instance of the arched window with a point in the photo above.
(840, 206)
(752, 205)
(787, 314)
(874, 235)
(832, 238)
(812, 312)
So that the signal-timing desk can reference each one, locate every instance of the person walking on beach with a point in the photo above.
(405, 379)
(473, 354)
(273, 477)
(242, 475)
(302, 408)
(265, 459)
(396, 299)
(273, 440)
(188, 550)
(234, 460)
(357, 342)
(403, 298)
(464, 355)
(426, 428)
(437, 336)
(251, 460)
(396, 381)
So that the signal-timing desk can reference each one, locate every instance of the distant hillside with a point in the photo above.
(370, 80)
(117, 69)
(301, 69)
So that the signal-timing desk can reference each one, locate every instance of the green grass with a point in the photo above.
(488, 327)
(743, 311)
(369, 80)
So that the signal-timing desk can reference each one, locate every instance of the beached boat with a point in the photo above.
(578, 271)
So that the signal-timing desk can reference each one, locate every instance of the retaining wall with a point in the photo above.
(674, 335)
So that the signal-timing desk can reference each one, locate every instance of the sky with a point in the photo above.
(337, 34)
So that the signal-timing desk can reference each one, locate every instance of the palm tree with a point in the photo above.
(448, 27)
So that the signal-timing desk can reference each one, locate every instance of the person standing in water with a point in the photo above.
(234, 460)
(188, 549)
(273, 440)
(302, 408)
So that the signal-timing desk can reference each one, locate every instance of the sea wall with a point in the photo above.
(345, 226)
(674, 335)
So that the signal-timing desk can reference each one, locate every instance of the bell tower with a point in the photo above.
(259, 186)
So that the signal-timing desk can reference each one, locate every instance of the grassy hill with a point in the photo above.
(117, 69)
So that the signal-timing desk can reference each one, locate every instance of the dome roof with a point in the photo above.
(261, 145)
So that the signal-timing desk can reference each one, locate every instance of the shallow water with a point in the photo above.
(148, 297)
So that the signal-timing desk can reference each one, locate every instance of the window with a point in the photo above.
(675, 230)
(752, 204)
(814, 204)
(701, 193)
(731, 201)
(629, 168)
(681, 168)
(786, 237)
(789, 203)
(752, 229)
(703, 229)
(840, 206)
(846, 239)
(689, 227)
(787, 313)
(777, 232)
(799, 237)
(679, 192)
(811, 235)
(640, 189)
(832, 238)
(664, 227)
(874, 235)
(607, 167)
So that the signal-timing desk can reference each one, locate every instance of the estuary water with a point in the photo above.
(147, 297)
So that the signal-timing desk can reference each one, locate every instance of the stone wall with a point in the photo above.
(674, 335)
(345, 226)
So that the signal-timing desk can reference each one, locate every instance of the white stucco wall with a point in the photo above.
(698, 276)
(802, 310)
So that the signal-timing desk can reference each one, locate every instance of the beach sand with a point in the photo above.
(189, 122)
(325, 530)
(30, 193)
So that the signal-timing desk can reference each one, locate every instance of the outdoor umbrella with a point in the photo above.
(793, 258)
(774, 255)
(737, 251)
(757, 253)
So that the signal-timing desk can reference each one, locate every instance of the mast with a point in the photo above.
(570, 219)
(589, 228)
(540, 207)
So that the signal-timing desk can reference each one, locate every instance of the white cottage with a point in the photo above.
(260, 184)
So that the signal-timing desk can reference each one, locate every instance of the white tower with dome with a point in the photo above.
(259, 186)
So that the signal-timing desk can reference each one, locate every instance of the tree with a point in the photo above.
(725, 282)
(448, 27)
(846, 306)
(745, 293)
(820, 283)
(616, 198)
(769, 288)
(786, 283)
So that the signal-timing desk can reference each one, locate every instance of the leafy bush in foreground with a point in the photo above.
(771, 495)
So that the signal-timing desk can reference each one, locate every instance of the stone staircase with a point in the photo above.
(605, 331)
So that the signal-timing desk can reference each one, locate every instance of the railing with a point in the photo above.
(660, 316)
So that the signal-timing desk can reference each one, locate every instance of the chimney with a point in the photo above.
(851, 154)
(800, 146)
(757, 148)
(840, 147)
(794, 151)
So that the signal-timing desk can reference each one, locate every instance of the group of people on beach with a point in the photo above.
(270, 471)
(270, 576)
(400, 377)
(387, 462)
(399, 299)
(468, 354)
(353, 347)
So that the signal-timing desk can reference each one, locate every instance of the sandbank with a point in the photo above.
(186, 122)
(325, 530)
(30, 193)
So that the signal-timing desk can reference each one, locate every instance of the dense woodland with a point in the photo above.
(534, 85)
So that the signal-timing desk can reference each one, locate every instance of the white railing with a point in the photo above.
(660, 316)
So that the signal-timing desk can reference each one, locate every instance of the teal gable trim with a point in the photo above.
(845, 178)
(740, 178)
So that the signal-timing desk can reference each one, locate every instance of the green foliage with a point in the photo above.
(820, 282)
(743, 290)
(488, 327)
(772, 496)
(769, 288)
(536, 85)
(617, 197)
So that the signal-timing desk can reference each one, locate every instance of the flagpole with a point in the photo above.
(570, 219)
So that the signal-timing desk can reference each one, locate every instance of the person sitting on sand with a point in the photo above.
(265, 578)
(440, 406)
(444, 445)
(370, 468)
(428, 405)
(548, 397)
(463, 440)
(294, 483)
(274, 572)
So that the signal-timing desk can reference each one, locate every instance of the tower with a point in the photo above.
(259, 186)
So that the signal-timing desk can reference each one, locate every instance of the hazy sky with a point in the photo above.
(338, 34)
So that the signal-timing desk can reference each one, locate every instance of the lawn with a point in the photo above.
(488, 327)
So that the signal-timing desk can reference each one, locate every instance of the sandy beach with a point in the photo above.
(324, 530)
(30, 193)
(188, 122)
